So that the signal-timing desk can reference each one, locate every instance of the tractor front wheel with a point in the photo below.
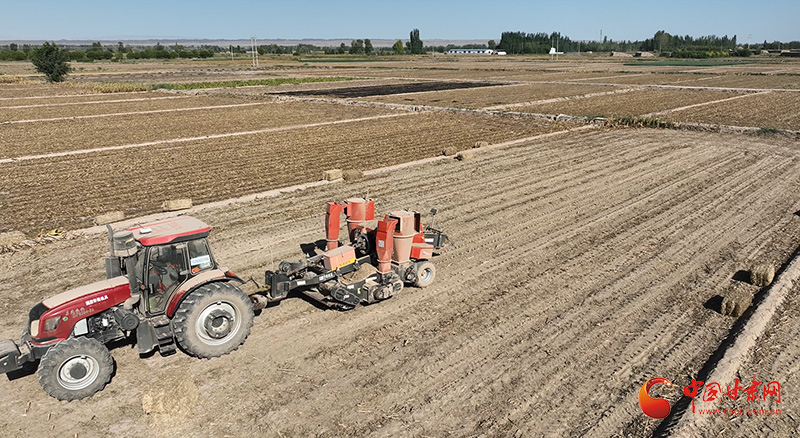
(213, 320)
(75, 368)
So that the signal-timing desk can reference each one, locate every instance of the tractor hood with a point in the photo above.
(85, 291)
(73, 305)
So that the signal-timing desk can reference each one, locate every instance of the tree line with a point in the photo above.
(678, 46)
(97, 51)
(512, 42)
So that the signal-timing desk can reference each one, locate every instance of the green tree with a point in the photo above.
(368, 49)
(415, 44)
(51, 61)
(398, 47)
(357, 47)
(14, 47)
(120, 47)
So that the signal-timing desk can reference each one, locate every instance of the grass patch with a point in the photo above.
(13, 79)
(119, 87)
(344, 59)
(768, 131)
(639, 122)
(246, 83)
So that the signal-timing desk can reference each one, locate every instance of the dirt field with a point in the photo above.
(638, 102)
(141, 102)
(607, 231)
(71, 190)
(68, 135)
(583, 263)
(772, 110)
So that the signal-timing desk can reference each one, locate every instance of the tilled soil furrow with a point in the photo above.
(580, 267)
(516, 330)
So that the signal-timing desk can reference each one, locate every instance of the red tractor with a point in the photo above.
(164, 284)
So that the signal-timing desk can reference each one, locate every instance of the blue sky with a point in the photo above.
(467, 19)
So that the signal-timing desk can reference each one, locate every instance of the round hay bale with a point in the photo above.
(12, 238)
(762, 275)
(352, 175)
(449, 151)
(735, 303)
(465, 155)
(332, 174)
(481, 144)
(108, 218)
(176, 204)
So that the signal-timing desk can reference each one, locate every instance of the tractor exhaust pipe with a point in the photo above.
(113, 267)
(125, 248)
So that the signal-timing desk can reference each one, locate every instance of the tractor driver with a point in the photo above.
(166, 264)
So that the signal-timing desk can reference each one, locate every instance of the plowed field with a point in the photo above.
(780, 110)
(135, 103)
(68, 191)
(583, 263)
(635, 103)
(749, 81)
(581, 266)
(70, 135)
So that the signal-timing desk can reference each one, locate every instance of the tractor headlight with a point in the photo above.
(51, 324)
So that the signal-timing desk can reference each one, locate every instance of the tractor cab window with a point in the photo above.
(166, 271)
(199, 256)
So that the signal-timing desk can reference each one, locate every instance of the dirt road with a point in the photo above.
(582, 265)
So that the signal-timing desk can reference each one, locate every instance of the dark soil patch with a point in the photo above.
(383, 90)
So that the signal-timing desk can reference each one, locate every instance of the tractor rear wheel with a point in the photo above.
(213, 320)
(425, 273)
(75, 368)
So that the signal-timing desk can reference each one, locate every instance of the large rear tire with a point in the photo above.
(213, 320)
(75, 368)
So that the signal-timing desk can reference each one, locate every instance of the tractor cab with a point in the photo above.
(169, 253)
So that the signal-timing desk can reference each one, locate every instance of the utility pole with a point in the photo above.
(254, 51)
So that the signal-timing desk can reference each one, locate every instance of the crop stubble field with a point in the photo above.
(583, 264)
